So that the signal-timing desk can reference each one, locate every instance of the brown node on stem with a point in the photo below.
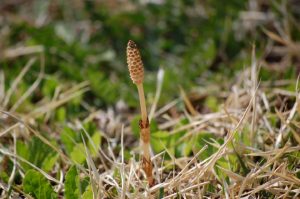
(135, 64)
(145, 131)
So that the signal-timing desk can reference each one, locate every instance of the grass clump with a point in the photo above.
(224, 119)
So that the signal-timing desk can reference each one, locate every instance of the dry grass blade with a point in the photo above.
(12, 155)
(160, 77)
(186, 190)
(187, 102)
(18, 79)
(13, 173)
(21, 51)
(9, 129)
(93, 173)
(287, 122)
(254, 75)
(229, 139)
(123, 192)
(232, 132)
(2, 86)
(63, 98)
(36, 133)
(32, 87)
(294, 49)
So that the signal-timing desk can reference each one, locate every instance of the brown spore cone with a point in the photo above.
(135, 64)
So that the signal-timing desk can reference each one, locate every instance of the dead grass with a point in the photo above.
(250, 105)
(265, 112)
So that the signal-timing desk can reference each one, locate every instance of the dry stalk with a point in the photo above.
(136, 70)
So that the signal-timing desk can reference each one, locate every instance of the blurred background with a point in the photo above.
(198, 44)
(65, 92)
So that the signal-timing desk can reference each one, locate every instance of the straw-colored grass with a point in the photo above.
(271, 159)
(253, 128)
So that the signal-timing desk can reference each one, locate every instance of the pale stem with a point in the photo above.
(146, 150)
(142, 102)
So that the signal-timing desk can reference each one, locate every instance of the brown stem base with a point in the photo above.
(145, 145)
(147, 167)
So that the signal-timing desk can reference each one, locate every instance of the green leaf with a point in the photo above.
(49, 161)
(88, 194)
(84, 183)
(4, 177)
(72, 184)
(202, 139)
(135, 126)
(209, 51)
(159, 141)
(61, 114)
(78, 153)
(38, 153)
(153, 126)
(73, 142)
(49, 86)
(212, 103)
(188, 146)
(161, 193)
(37, 185)
(223, 163)
(22, 151)
(69, 138)
(96, 139)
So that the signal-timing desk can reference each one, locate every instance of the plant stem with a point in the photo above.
(145, 137)
(145, 146)
(142, 103)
